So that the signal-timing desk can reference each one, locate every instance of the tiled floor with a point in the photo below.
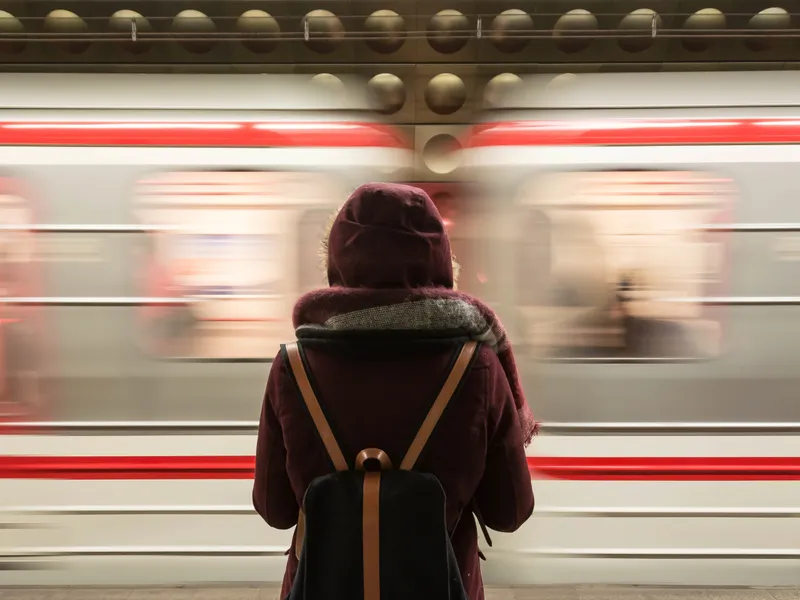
(522, 593)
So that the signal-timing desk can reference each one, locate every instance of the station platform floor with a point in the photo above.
(257, 592)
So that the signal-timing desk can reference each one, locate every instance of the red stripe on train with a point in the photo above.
(636, 132)
(544, 467)
(694, 468)
(199, 134)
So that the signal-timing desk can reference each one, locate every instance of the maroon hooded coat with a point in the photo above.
(377, 381)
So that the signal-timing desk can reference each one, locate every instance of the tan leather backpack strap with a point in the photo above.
(371, 521)
(445, 394)
(310, 398)
(371, 528)
(320, 422)
(300, 534)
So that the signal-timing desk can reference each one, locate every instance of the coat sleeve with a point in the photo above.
(505, 494)
(273, 496)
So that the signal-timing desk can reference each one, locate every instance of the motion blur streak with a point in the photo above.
(625, 132)
(256, 135)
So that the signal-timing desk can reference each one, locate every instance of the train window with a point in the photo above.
(615, 264)
(218, 262)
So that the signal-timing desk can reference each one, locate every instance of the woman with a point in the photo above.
(378, 341)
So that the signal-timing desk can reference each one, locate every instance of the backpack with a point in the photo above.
(375, 532)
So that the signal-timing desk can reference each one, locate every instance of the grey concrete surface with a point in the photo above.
(492, 593)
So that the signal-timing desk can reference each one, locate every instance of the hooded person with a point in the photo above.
(378, 342)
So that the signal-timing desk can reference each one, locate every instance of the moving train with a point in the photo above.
(638, 234)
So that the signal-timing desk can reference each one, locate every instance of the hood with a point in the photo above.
(388, 236)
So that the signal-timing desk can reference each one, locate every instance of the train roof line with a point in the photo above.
(656, 90)
(186, 92)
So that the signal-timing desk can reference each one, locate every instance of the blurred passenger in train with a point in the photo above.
(648, 337)
(379, 342)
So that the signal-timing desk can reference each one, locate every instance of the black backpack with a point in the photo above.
(374, 532)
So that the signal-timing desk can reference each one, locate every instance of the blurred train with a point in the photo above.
(639, 234)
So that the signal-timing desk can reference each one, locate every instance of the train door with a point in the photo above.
(21, 326)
